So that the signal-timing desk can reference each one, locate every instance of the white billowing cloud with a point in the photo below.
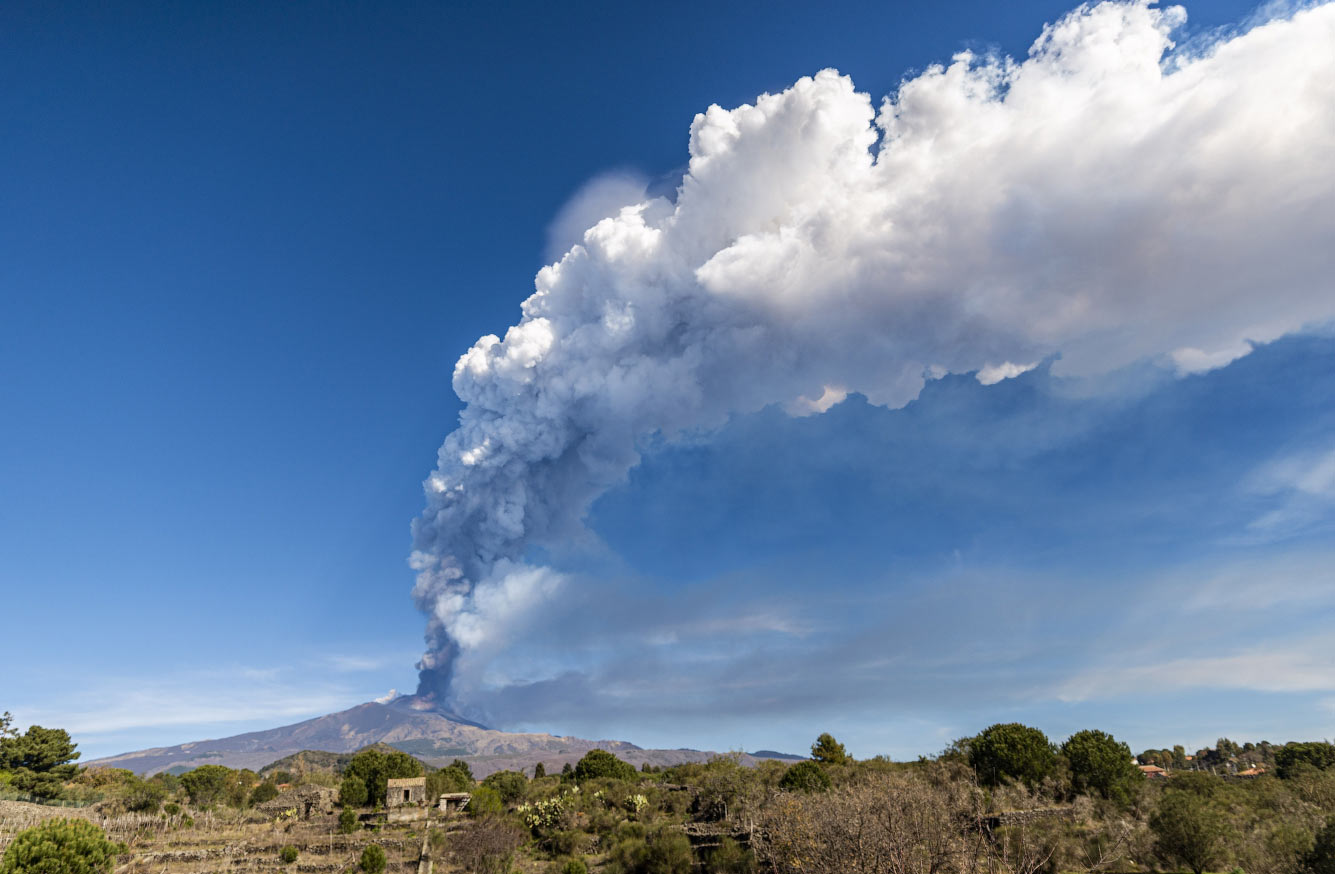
(599, 198)
(1100, 200)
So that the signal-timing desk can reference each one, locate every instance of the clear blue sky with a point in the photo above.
(243, 245)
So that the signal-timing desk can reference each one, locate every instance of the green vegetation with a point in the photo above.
(376, 769)
(509, 785)
(60, 846)
(1005, 800)
(352, 791)
(1293, 759)
(1101, 765)
(829, 751)
(1011, 751)
(805, 777)
(373, 860)
(456, 777)
(600, 763)
(39, 761)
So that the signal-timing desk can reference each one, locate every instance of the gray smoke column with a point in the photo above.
(1105, 200)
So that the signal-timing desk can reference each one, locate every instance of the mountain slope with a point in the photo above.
(405, 723)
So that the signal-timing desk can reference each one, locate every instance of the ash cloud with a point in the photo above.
(1104, 200)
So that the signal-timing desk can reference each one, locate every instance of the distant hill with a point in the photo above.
(318, 761)
(771, 754)
(407, 723)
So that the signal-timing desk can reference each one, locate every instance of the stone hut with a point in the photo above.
(405, 790)
(454, 802)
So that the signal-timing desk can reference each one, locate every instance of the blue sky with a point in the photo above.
(245, 245)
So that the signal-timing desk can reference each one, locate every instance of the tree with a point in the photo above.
(1101, 764)
(347, 821)
(601, 763)
(60, 846)
(510, 785)
(828, 751)
(373, 859)
(352, 791)
(1188, 829)
(376, 769)
(539, 771)
(7, 725)
(1321, 858)
(456, 777)
(144, 796)
(805, 777)
(1293, 758)
(206, 785)
(1011, 751)
(41, 759)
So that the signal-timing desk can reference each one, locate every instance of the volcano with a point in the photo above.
(410, 723)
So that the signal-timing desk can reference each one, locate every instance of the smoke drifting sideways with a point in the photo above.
(1107, 200)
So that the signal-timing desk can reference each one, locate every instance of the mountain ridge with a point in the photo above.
(409, 723)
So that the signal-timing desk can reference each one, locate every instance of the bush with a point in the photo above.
(347, 821)
(664, 852)
(571, 866)
(486, 846)
(352, 791)
(144, 796)
(485, 801)
(1011, 751)
(266, 791)
(730, 858)
(373, 859)
(805, 777)
(1293, 758)
(60, 846)
(1321, 858)
(288, 855)
(510, 785)
(601, 763)
(1188, 829)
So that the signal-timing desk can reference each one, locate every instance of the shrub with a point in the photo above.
(352, 791)
(730, 858)
(1189, 829)
(539, 771)
(485, 800)
(805, 777)
(266, 791)
(60, 846)
(288, 854)
(601, 763)
(373, 859)
(1321, 858)
(144, 796)
(1293, 758)
(486, 846)
(573, 865)
(347, 821)
(510, 785)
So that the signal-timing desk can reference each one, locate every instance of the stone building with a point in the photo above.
(454, 802)
(405, 790)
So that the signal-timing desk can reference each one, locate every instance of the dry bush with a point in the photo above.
(486, 845)
(930, 820)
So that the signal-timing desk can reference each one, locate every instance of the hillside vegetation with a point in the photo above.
(1005, 800)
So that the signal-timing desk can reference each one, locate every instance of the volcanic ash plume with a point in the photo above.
(1106, 199)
